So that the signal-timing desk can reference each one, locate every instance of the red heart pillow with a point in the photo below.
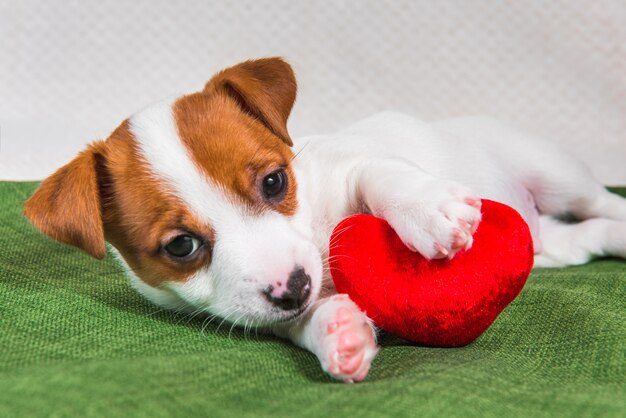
(445, 303)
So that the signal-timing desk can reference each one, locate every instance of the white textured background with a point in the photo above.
(70, 71)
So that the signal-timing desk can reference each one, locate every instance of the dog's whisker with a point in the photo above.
(194, 314)
(233, 312)
(222, 315)
(337, 234)
(298, 153)
(157, 311)
(233, 324)
(248, 328)
(336, 256)
(186, 315)
(207, 322)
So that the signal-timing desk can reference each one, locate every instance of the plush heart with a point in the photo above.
(445, 303)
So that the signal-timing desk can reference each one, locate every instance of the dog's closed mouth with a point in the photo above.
(296, 314)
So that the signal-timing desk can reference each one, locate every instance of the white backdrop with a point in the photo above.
(70, 71)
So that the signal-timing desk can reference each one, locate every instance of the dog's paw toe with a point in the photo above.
(350, 345)
(440, 222)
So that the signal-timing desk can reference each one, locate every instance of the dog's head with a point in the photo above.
(198, 197)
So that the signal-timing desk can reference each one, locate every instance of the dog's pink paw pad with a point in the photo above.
(354, 345)
(343, 316)
(351, 364)
(345, 365)
(350, 342)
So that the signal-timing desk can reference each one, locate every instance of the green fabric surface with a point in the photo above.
(76, 340)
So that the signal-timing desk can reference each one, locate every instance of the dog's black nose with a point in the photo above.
(298, 291)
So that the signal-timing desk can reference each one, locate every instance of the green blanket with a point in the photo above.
(76, 340)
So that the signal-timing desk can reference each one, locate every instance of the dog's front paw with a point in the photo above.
(347, 340)
(437, 218)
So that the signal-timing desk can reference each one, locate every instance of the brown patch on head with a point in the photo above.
(234, 150)
(236, 130)
(141, 215)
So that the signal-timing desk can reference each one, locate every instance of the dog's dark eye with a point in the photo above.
(274, 184)
(183, 246)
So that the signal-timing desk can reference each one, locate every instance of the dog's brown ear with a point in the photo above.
(264, 88)
(67, 205)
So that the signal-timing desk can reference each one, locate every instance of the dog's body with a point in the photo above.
(210, 210)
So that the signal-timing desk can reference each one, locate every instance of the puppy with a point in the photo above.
(211, 207)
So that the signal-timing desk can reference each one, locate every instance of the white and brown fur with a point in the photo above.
(196, 166)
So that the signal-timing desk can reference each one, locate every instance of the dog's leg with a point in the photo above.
(597, 202)
(561, 186)
(573, 244)
(339, 334)
(559, 182)
(435, 217)
(572, 190)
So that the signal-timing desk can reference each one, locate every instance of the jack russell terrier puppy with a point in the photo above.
(211, 206)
